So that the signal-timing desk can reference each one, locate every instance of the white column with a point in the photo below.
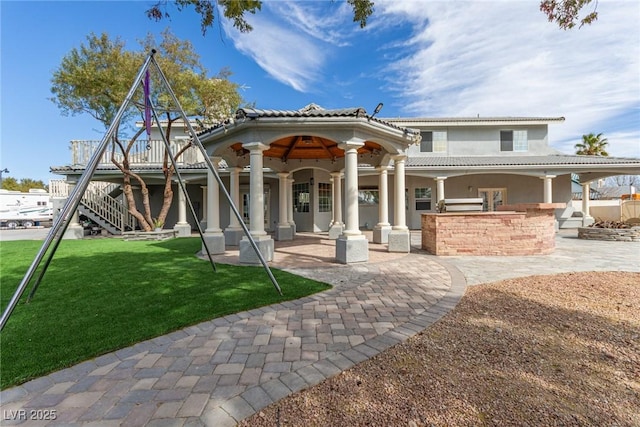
(182, 227)
(586, 196)
(382, 229)
(283, 230)
(400, 207)
(234, 232)
(351, 246)
(290, 219)
(548, 188)
(75, 230)
(352, 217)
(234, 181)
(182, 205)
(282, 197)
(337, 179)
(213, 236)
(213, 200)
(333, 204)
(440, 189)
(256, 209)
(256, 188)
(337, 226)
(399, 237)
(204, 188)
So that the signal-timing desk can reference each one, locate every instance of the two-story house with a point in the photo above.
(341, 171)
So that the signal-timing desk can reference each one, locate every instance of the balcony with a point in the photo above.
(143, 152)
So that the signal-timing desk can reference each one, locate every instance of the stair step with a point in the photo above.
(149, 235)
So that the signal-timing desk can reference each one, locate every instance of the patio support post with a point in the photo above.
(213, 236)
(256, 209)
(290, 220)
(352, 245)
(283, 230)
(382, 229)
(337, 226)
(439, 189)
(548, 188)
(233, 233)
(75, 230)
(182, 227)
(587, 219)
(203, 220)
(399, 237)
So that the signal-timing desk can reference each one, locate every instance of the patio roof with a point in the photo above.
(509, 160)
(587, 167)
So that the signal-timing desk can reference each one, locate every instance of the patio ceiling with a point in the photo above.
(307, 147)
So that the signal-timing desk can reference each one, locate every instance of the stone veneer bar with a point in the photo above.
(522, 229)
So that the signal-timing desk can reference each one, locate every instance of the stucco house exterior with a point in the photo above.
(342, 171)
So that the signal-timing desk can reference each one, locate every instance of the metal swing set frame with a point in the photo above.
(63, 219)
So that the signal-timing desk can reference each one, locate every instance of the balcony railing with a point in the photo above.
(142, 153)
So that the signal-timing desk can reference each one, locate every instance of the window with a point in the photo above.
(324, 197)
(514, 140)
(368, 196)
(492, 198)
(423, 198)
(301, 197)
(433, 142)
(426, 145)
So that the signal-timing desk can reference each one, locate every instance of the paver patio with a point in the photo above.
(221, 371)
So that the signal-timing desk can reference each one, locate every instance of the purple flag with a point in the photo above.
(147, 105)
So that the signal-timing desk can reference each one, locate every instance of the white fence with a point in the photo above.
(142, 152)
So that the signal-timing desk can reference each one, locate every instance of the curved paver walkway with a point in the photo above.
(224, 370)
(221, 371)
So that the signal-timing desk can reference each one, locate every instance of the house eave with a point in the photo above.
(477, 121)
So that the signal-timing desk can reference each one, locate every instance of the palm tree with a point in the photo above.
(592, 145)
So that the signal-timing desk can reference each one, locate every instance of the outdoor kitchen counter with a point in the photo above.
(521, 229)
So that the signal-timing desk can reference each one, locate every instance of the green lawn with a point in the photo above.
(100, 295)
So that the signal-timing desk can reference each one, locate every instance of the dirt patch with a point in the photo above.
(542, 350)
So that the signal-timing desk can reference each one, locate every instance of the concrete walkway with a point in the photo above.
(219, 372)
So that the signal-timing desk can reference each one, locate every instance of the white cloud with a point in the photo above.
(487, 58)
(292, 41)
(315, 20)
(286, 55)
(505, 58)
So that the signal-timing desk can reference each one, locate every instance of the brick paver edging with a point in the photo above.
(260, 396)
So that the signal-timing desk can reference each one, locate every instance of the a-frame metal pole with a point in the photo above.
(183, 186)
(209, 163)
(72, 202)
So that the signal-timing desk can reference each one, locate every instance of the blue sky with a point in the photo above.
(420, 58)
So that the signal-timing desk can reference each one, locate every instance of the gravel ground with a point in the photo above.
(558, 350)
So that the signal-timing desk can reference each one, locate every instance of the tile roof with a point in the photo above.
(311, 111)
(551, 160)
(431, 162)
(471, 120)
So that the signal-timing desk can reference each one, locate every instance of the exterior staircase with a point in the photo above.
(102, 204)
(569, 218)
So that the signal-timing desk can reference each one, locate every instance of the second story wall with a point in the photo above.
(483, 141)
(481, 137)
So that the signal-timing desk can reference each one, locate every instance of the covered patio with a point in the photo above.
(279, 143)
(317, 251)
